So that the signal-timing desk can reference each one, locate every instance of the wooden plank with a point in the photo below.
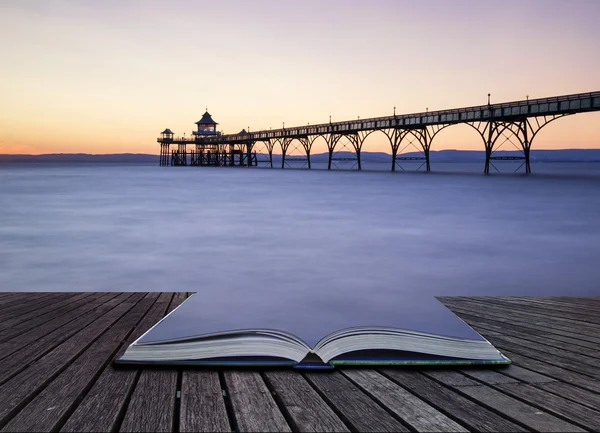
(202, 404)
(583, 416)
(105, 403)
(564, 360)
(459, 408)
(178, 298)
(573, 393)
(50, 407)
(17, 392)
(519, 411)
(302, 404)
(547, 309)
(22, 356)
(544, 336)
(20, 336)
(152, 409)
(546, 326)
(523, 314)
(508, 334)
(554, 371)
(253, 406)
(491, 377)
(31, 319)
(450, 377)
(29, 305)
(352, 405)
(585, 302)
(524, 375)
(408, 407)
(588, 309)
(152, 404)
(565, 350)
(24, 299)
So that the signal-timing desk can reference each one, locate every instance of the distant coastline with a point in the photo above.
(448, 156)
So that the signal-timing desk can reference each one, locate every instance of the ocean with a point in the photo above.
(251, 232)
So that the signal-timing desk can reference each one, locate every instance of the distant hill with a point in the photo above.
(563, 155)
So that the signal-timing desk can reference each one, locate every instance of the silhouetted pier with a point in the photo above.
(56, 374)
(516, 123)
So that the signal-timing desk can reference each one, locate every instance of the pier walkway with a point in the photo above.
(501, 126)
(56, 374)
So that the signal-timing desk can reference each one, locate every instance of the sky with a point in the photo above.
(107, 76)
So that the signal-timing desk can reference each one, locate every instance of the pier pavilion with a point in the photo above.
(517, 123)
(208, 147)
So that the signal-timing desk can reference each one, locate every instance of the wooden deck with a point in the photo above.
(56, 374)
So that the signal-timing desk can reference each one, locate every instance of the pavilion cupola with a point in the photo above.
(167, 134)
(206, 125)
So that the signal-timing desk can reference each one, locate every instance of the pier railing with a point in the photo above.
(519, 121)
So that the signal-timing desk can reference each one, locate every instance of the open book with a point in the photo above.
(418, 332)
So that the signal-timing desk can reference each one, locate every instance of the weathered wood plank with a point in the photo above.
(17, 392)
(526, 315)
(30, 319)
(524, 375)
(547, 309)
(408, 407)
(23, 356)
(34, 304)
(572, 392)
(352, 405)
(253, 405)
(577, 413)
(178, 298)
(564, 350)
(589, 308)
(461, 409)
(25, 299)
(491, 377)
(106, 402)
(450, 377)
(554, 371)
(305, 408)
(48, 409)
(555, 357)
(539, 336)
(153, 409)
(152, 404)
(546, 326)
(519, 411)
(20, 336)
(202, 405)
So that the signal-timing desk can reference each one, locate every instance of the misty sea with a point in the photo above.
(256, 232)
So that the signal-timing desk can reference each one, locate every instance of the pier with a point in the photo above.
(514, 124)
(56, 374)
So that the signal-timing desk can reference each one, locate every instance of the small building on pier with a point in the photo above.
(206, 126)
(207, 148)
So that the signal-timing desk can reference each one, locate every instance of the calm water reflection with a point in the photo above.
(254, 233)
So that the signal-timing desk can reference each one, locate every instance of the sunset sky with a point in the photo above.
(108, 76)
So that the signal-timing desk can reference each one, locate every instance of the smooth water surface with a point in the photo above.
(258, 234)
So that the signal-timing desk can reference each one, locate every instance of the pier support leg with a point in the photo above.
(249, 154)
(526, 146)
(332, 141)
(285, 144)
(488, 147)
